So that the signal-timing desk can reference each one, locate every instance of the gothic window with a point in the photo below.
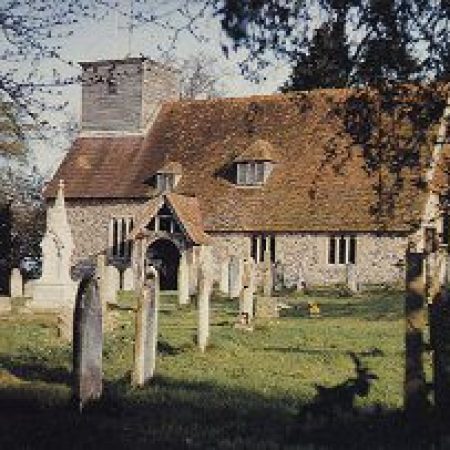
(119, 244)
(342, 250)
(262, 245)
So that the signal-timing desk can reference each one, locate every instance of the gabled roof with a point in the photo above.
(171, 167)
(334, 171)
(185, 209)
(260, 150)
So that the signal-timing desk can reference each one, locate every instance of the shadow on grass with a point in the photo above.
(35, 369)
(169, 413)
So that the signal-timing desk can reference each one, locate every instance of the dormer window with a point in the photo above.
(251, 173)
(254, 164)
(168, 177)
(165, 182)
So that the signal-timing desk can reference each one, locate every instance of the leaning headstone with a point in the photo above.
(248, 289)
(224, 284)
(146, 339)
(87, 344)
(128, 279)
(235, 271)
(16, 284)
(204, 294)
(183, 280)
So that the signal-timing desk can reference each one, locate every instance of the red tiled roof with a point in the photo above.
(260, 150)
(186, 210)
(332, 172)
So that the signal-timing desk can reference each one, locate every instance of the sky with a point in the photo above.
(110, 38)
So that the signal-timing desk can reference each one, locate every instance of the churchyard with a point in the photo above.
(249, 389)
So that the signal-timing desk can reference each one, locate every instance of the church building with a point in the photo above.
(305, 181)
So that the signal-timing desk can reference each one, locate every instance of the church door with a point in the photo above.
(165, 257)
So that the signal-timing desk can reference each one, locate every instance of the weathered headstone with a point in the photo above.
(5, 305)
(352, 278)
(266, 308)
(248, 289)
(146, 339)
(183, 280)
(204, 294)
(128, 279)
(28, 288)
(301, 282)
(224, 284)
(278, 275)
(16, 284)
(235, 276)
(267, 277)
(100, 272)
(112, 283)
(87, 344)
(55, 289)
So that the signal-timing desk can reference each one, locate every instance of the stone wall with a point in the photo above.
(376, 257)
(89, 222)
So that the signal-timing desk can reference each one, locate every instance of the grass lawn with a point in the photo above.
(246, 391)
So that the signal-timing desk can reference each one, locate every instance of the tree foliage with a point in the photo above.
(387, 40)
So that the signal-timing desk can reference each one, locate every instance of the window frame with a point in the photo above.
(251, 173)
(342, 250)
(258, 243)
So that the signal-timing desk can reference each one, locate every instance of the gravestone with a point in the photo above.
(301, 282)
(112, 284)
(266, 308)
(16, 284)
(204, 294)
(278, 276)
(28, 288)
(352, 278)
(248, 289)
(87, 344)
(146, 339)
(224, 284)
(5, 305)
(183, 280)
(267, 277)
(55, 290)
(128, 279)
(100, 272)
(235, 271)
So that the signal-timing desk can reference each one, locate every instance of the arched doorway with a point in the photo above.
(165, 256)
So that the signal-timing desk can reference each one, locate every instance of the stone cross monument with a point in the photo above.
(55, 290)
